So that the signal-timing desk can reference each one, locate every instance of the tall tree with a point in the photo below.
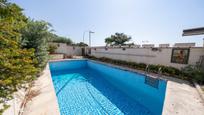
(82, 44)
(59, 39)
(35, 35)
(109, 41)
(117, 39)
(16, 63)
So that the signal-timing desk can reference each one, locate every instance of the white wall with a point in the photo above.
(146, 55)
(68, 50)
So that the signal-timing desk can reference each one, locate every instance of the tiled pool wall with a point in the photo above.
(130, 83)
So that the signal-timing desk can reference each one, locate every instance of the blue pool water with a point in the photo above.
(86, 87)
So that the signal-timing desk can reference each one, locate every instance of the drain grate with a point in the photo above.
(154, 82)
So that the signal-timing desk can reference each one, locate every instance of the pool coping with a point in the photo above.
(200, 91)
(46, 102)
(181, 97)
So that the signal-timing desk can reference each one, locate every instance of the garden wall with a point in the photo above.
(155, 56)
(67, 49)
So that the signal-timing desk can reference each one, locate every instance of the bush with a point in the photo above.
(141, 66)
(194, 73)
(165, 70)
(81, 44)
(16, 63)
(35, 35)
(199, 77)
(59, 39)
(154, 68)
(171, 71)
(52, 48)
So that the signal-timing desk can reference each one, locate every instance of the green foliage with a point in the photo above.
(82, 44)
(58, 39)
(185, 74)
(36, 35)
(23, 49)
(117, 39)
(109, 41)
(16, 63)
(63, 40)
(52, 48)
(4, 108)
(194, 73)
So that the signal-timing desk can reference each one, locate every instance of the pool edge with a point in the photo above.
(46, 102)
(171, 101)
(173, 104)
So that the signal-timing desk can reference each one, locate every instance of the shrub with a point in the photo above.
(59, 39)
(81, 44)
(141, 66)
(194, 73)
(16, 63)
(35, 35)
(52, 48)
(199, 77)
(166, 70)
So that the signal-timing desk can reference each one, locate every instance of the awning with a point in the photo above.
(193, 31)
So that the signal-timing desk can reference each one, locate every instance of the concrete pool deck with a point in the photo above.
(46, 102)
(181, 97)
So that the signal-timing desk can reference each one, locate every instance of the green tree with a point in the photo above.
(82, 44)
(117, 39)
(109, 41)
(59, 39)
(52, 48)
(36, 35)
(16, 63)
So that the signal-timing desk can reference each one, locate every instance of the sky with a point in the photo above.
(146, 21)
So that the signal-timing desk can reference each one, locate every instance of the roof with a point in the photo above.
(193, 31)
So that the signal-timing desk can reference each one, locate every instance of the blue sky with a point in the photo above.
(156, 21)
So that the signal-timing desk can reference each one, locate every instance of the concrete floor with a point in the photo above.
(182, 99)
(46, 102)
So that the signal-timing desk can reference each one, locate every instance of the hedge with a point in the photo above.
(165, 70)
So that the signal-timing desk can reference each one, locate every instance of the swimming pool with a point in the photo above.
(88, 87)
